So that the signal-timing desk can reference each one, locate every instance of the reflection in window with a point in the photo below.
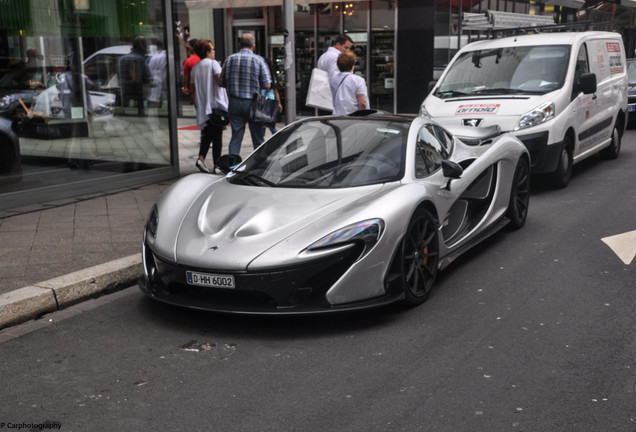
(433, 146)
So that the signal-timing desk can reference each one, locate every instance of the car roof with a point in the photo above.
(370, 115)
(116, 49)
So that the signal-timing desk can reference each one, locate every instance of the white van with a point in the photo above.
(563, 94)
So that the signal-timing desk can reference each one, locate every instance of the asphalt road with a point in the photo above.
(532, 331)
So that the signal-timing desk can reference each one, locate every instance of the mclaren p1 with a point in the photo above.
(333, 214)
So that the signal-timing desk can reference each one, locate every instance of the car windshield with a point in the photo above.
(506, 71)
(329, 153)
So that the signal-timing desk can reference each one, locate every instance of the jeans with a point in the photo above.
(239, 113)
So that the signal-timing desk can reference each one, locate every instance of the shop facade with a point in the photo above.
(81, 111)
(80, 114)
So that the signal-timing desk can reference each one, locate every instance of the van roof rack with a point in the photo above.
(498, 24)
(566, 27)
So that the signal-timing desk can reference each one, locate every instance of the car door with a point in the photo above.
(462, 206)
(593, 117)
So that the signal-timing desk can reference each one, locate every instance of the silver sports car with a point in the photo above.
(333, 214)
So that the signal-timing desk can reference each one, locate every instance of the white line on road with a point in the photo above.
(623, 245)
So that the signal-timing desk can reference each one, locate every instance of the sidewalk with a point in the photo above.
(52, 258)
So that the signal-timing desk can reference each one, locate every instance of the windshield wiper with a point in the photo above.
(506, 91)
(246, 174)
(496, 91)
(450, 93)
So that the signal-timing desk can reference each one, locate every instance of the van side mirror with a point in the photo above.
(587, 83)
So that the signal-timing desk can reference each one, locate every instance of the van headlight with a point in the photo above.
(423, 111)
(537, 116)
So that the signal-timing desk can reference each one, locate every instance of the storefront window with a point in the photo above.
(381, 58)
(355, 17)
(84, 94)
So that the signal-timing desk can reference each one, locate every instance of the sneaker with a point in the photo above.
(201, 165)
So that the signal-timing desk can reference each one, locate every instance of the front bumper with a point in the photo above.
(300, 290)
(543, 157)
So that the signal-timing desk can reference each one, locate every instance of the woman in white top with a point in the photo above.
(349, 91)
(208, 95)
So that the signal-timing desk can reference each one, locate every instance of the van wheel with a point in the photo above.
(614, 148)
(561, 177)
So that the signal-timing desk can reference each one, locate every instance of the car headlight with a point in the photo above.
(366, 232)
(153, 222)
(537, 116)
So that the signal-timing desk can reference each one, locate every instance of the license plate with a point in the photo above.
(631, 108)
(210, 280)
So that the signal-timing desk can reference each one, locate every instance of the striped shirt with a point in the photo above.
(244, 73)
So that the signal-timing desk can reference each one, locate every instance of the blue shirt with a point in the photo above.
(244, 73)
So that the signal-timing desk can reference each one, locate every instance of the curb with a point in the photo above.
(58, 293)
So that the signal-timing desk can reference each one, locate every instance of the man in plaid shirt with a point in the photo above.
(244, 74)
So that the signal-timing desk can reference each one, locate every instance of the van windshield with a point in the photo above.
(505, 71)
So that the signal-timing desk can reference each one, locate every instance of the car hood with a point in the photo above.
(232, 225)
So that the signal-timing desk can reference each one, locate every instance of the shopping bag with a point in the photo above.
(263, 111)
(319, 92)
(219, 117)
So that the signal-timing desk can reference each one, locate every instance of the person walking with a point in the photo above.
(328, 61)
(192, 60)
(349, 91)
(272, 93)
(244, 74)
(208, 95)
(158, 65)
(134, 74)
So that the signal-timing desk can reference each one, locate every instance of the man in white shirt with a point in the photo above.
(328, 61)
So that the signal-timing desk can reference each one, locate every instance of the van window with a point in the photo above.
(510, 70)
(582, 66)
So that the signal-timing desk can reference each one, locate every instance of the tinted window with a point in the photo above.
(330, 153)
(433, 146)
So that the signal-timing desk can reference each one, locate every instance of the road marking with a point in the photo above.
(623, 245)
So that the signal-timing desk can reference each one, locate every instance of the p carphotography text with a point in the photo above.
(30, 426)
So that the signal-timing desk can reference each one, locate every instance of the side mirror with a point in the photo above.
(587, 83)
(431, 86)
(227, 162)
(451, 170)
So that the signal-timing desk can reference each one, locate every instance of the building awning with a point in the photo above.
(226, 4)
(574, 4)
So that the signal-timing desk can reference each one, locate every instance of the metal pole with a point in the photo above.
(290, 62)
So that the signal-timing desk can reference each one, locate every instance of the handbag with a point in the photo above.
(263, 111)
(219, 117)
(319, 91)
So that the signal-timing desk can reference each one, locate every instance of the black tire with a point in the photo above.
(420, 257)
(561, 177)
(614, 148)
(519, 195)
